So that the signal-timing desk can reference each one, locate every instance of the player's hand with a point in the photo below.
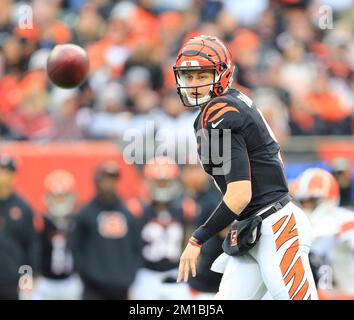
(188, 262)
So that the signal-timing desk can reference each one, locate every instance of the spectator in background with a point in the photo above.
(5, 17)
(5, 132)
(136, 81)
(276, 44)
(246, 50)
(46, 24)
(105, 240)
(63, 108)
(112, 50)
(171, 30)
(273, 110)
(175, 126)
(110, 118)
(89, 25)
(196, 184)
(13, 50)
(57, 280)
(142, 56)
(146, 116)
(334, 117)
(31, 119)
(18, 235)
(246, 12)
(342, 172)
(297, 72)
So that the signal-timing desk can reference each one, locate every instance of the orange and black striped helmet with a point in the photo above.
(203, 53)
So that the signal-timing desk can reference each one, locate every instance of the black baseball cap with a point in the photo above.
(7, 162)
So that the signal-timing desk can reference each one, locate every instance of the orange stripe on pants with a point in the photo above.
(297, 271)
(288, 232)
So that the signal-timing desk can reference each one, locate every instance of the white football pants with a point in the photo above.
(277, 265)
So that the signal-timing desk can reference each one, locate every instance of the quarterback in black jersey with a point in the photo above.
(238, 149)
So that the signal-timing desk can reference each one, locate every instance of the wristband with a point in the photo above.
(218, 220)
(194, 242)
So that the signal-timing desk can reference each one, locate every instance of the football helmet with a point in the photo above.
(316, 185)
(203, 53)
(162, 175)
(60, 193)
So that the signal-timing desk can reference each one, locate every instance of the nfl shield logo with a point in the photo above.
(233, 238)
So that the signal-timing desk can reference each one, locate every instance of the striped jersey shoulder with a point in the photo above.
(218, 112)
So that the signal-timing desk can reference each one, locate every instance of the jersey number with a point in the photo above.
(163, 242)
(61, 261)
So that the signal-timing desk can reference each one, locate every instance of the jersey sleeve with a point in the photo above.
(222, 114)
(224, 123)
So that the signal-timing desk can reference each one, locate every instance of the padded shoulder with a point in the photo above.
(221, 113)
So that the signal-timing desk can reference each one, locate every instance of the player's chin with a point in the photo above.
(195, 97)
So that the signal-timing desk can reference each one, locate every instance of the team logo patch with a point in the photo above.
(190, 63)
(233, 238)
(112, 224)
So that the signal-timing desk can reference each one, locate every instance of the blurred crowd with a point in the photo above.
(294, 58)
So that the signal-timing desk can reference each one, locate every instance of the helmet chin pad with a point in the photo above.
(196, 102)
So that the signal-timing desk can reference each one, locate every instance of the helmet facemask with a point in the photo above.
(164, 190)
(60, 206)
(182, 88)
(215, 87)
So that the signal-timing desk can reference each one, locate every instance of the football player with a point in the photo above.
(332, 252)
(58, 280)
(165, 224)
(269, 243)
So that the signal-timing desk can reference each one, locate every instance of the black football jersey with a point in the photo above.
(56, 261)
(163, 235)
(235, 143)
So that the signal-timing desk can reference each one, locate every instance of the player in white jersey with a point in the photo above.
(333, 231)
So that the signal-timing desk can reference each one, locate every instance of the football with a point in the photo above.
(67, 65)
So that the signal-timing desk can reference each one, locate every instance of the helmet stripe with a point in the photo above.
(196, 53)
(219, 45)
(216, 53)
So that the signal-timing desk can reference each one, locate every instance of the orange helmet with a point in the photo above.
(203, 53)
(60, 193)
(162, 173)
(316, 183)
(59, 182)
